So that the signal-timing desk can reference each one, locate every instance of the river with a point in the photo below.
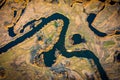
(49, 56)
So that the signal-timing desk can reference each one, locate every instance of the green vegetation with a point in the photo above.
(108, 43)
(56, 24)
(48, 41)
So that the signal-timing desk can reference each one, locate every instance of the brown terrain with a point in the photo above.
(43, 57)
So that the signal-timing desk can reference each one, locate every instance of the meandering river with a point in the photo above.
(49, 56)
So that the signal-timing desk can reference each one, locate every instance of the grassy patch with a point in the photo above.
(56, 24)
(108, 43)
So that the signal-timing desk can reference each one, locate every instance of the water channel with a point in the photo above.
(49, 56)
